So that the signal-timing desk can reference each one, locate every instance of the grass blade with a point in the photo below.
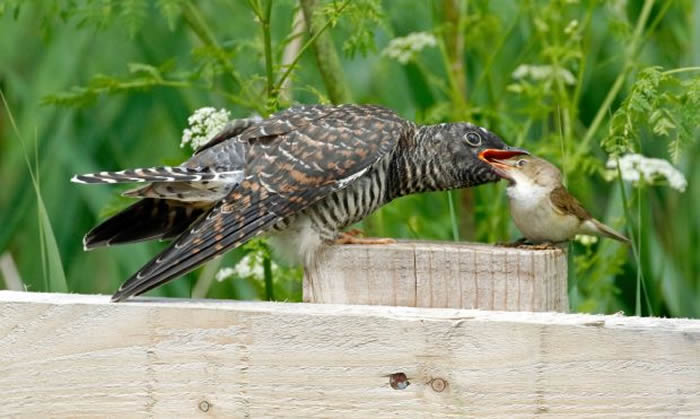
(56, 275)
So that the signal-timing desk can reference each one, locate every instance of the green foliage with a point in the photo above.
(363, 17)
(554, 76)
(171, 10)
(141, 77)
(51, 265)
(667, 106)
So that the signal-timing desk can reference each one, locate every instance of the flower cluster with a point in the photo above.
(586, 239)
(405, 48)
(543, 72)
(638, 168)
(250, 266)
(204, 124)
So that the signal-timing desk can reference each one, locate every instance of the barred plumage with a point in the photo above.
(303, 174)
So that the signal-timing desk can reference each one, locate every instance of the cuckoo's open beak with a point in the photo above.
(497, 159)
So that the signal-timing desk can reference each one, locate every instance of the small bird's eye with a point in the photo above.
(521, 163)
(473, 139)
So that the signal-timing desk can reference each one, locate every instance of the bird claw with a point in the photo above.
(354, 237)
(517, 243)
(541, 246)
(523, 243)
(355, 232)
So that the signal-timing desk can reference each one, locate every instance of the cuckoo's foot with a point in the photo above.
(353, 237)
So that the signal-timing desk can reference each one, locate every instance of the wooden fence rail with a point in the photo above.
(81, 356)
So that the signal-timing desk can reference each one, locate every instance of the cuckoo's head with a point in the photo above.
(460, 145)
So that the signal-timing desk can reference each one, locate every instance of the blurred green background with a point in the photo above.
(105, 84)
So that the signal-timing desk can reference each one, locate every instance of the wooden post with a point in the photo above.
(81, 356)
(440, 275)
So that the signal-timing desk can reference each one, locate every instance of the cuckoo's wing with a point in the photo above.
(231, 130)
(287, 172)
(278, 123)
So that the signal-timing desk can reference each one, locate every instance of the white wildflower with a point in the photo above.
(543, 72)
(250, 266)
(636, 168)
(405, 48)
(225, 273)
(571, 27)
(204, 124)
(586, 239)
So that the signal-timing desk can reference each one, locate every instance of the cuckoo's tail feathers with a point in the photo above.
(594, 226)
(147, 219)
(151, 174)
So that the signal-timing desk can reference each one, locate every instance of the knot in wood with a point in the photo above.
(438, 384)
(398, 381)
(204, 406)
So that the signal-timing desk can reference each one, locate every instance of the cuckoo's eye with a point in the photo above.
(473, 139)
(521, 163)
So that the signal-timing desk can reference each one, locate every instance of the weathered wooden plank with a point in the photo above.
(80, 356)
(440, 275)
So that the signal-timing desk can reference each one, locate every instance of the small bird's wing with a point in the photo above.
(565, 203)
(295, 159)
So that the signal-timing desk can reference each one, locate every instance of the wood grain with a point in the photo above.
(440, 275)
(80, 356)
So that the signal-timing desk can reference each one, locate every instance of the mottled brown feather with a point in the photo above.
(281, 180)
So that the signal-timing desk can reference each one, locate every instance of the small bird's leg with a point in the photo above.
(354, 236)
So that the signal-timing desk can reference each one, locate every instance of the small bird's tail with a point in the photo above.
(594, 226)
(147, 219)
(150, 174)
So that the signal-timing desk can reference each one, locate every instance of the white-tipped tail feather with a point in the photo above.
(154, 174)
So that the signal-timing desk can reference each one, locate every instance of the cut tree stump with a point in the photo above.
(440, 275)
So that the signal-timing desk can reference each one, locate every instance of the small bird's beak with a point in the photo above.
(495, 158)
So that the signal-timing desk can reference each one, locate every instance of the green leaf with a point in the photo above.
(662, 122)
(134, 13)
(56, 275)
(171, 9)
(48, 246)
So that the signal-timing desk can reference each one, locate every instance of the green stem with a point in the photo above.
(453, 217)
(267, 40)
(635, 242)
(497, 50)
(680, 70)
(453, 46)
(196, 22)
(308, 44)
(42, 235)
(267, 272)
(619, 81)
(457, 99)
(326, 55)
(576, 98)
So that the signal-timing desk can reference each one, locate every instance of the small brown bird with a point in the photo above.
(541, 207)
